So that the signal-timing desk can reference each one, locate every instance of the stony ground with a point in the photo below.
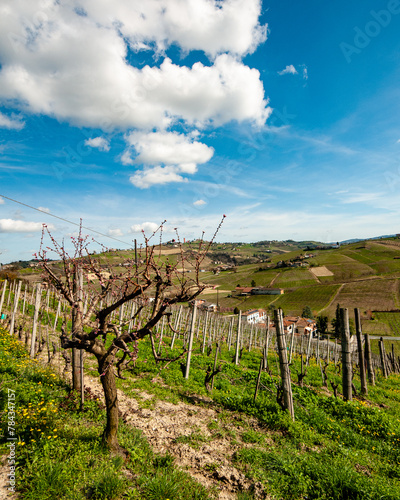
(166, 424)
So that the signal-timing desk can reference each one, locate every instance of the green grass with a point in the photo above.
(374, 294)
(392, 319)
(317, 297)
(294, 277)
(333, 450)
(58, 448)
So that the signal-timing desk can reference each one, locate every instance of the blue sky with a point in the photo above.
(283, 115)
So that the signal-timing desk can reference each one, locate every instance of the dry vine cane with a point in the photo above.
(146, 276)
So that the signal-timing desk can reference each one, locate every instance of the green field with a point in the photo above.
(231, 441)
(317, 297)
(391, 319)
(367, 272)
(371, 294)
(293, 278)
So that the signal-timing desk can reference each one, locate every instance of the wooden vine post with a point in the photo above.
(3, 294)
(176, 327)
(77, 316)
(361, 359)
(217, 347)
(82, 352)
(347, 369)
(203, 347)
(239, 325)
(267, 336)
(191, 334)
(291, 344)
(14, 313)
(308, 348)
(368, 357)
(258, 378)
(35, 318)
(382, 352)
(283, 363)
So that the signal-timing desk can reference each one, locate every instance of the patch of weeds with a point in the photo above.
(252, 436)
(213, 426)
(169, 486)
(163, 461)
(211, 467)
(245, 495)
(194, 440)
(93, 408)
(109, 485)
(160, 487)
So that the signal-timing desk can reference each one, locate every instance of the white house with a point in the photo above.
(254, 316)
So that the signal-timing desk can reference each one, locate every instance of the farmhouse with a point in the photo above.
(254, 316)
(259, 290)
(297, 325)
(267, 291)
(243, 290)
(203, 305)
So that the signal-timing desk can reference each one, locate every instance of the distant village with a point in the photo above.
(259, 317)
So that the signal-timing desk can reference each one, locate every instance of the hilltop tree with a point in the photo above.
(149, 281)
(322, 324)
(307, 313)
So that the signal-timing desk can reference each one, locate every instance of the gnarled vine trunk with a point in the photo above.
(107, 378)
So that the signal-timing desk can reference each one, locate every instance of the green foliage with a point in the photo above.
(322, 324)
(251, 436)
(109, 484)
(195, 439)
(59, 449)
(162, 486)
(333, 450)
(307, 312)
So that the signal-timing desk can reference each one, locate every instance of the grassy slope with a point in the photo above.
(367, 270)
(58, 448)
(334, 450)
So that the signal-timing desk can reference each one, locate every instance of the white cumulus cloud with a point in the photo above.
(199, 203)
(44, 209)
(214, 26)
(289, 70)
(156, 175)
(20, 226)
(147, 227)
(12, 123)
(99, 143)
(72, 65)
(165, 156)
(168, 148)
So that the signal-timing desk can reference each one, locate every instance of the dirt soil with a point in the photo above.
(321, 271)
(210, 464)
(4, 484)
